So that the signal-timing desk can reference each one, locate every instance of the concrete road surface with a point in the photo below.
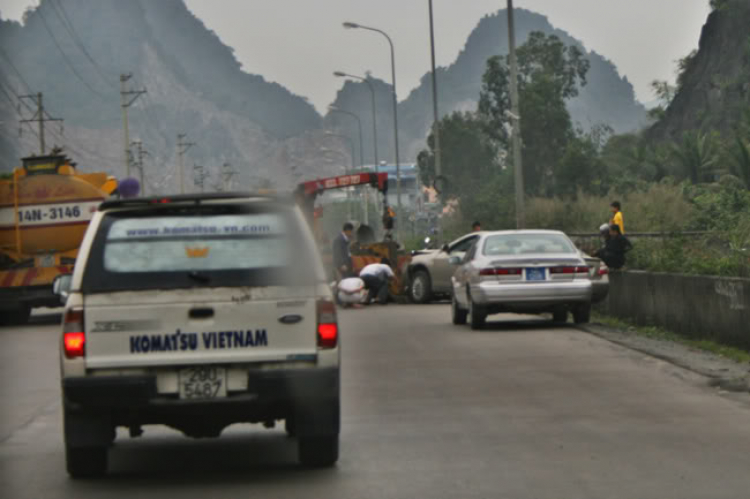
(523, 409)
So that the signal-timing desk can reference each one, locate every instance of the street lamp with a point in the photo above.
(351, 25)
(335, 109)
(340, 74)
(351, 145)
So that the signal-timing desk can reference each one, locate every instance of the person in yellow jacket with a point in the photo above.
(617, 216)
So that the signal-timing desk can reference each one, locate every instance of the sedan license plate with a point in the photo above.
(536, 274)
(203, 382)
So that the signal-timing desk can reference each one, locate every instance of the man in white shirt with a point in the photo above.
(376, 277)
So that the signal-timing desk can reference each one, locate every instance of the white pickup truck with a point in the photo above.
(198, 312)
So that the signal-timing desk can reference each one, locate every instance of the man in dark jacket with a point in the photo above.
(613, 253)
(342, 254)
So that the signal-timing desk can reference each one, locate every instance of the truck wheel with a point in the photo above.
(420, 289)
(16, 317)
(290, 427)
(582, 314)
(86, 462)
(318, 451)
(560, 315)
(477, 314)
(459, 314)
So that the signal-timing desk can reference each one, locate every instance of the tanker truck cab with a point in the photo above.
(198, 312)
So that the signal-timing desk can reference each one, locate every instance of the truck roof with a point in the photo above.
(196, 198)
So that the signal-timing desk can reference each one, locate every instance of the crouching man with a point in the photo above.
(377, 277)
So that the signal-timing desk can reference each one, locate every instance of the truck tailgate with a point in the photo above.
(199, 326)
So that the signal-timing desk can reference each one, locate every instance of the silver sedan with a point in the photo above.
(526, 271)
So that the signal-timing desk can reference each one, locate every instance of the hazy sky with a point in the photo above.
(299, 43)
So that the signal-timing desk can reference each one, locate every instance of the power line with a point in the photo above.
(65, 57)
(62, 15)
(15, 69)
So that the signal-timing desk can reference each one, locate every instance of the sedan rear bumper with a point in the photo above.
(532, 294)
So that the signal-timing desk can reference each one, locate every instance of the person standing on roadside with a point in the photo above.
(342, 253)
(617, 216)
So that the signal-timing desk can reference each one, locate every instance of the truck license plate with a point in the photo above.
(203, 382)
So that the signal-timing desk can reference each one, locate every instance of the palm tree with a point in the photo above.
(741, 159)
(696, 153)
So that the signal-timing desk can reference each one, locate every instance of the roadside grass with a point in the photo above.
(735, 354)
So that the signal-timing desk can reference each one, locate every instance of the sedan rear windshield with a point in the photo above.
(200, 246)
(527, 244)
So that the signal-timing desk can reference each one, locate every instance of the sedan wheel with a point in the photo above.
(421, 287)
(582, 314)
(459, 314)
(478, 315)
(560, 315)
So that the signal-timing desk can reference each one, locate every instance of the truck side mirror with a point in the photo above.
(445, 248)
(61, 287)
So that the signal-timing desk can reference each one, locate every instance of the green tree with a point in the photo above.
(666, 94)
(549, 73)
(581, 168)
(740, 154)
(696, 153)
(469, 159)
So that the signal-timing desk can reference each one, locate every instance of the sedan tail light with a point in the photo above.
(74, 336)
(500, 271)
(569, 270)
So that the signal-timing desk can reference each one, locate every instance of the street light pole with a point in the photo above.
(348, 172)
(350, 25)
(335, 109)
(436, 122)
(374, 112)
(515, 118)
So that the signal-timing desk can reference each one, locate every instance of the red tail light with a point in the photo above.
(328, 328)
(74, 337)
(494, 271)
(603, 270)
(569, 270)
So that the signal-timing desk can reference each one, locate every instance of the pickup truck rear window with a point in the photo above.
(210, 246)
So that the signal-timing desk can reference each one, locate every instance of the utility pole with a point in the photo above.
(436, 119)
(139, 163)
(127, 98)
(227, 173)
(199, 176)
(40, 118)
(516, 118)
(182, 148)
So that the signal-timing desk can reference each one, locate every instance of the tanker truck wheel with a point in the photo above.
(15, 317)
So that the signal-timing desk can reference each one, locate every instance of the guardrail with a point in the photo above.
(635, 235)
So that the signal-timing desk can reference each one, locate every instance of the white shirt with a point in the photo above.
(377, 270)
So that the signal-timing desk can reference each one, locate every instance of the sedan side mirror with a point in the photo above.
(455, 260)
(445, 248)
(61, 287)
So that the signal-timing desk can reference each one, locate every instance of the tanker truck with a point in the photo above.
(45, 208)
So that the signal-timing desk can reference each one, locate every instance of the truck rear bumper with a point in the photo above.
(309, 396)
